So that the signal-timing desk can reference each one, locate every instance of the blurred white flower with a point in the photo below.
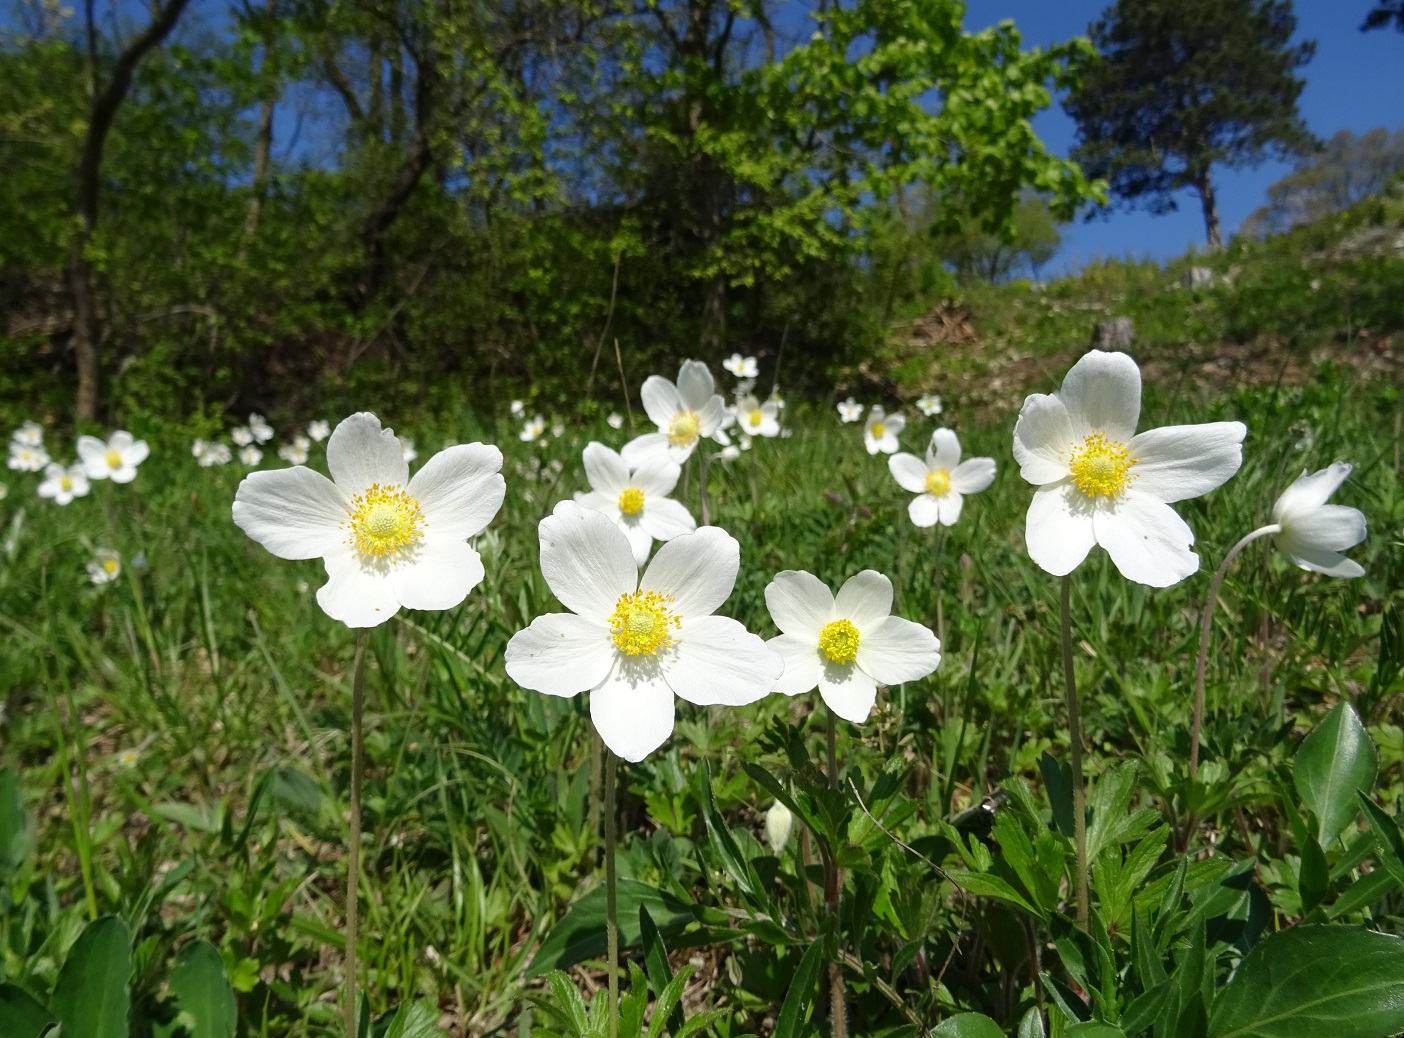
(636, 501)
(745, 441)
(881, 431)
(1313, 533)
(216, 454)
(250, 455)
(407, 448)
(24, 458)
(729, 453)
(941, 481)
(615, 420)
(741, 367)
(778, 822)
(518, 408)
(684, 413)
(295, 453)
(929, 405)
(64, 484)
(318, 430)
(241, 436)
(557, 430)
(105, 567)
(197, 449)
(757, 419)
(777, 399)
(259, 427)
(532, 430)
(117, 459)
(30, 434)
(850, 410)
(1100, 482)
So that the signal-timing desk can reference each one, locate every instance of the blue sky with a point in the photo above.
(1355, 81)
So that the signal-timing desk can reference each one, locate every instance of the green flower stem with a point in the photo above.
(353, 844)
(938, 542)
(702, 484)
(1075, 738)
(838, 1011)
(611, 810)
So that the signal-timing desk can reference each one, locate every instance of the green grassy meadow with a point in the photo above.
(176, 752)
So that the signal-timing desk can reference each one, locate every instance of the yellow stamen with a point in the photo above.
(839, 641)
(113, 459)
(1102, 467)
(631, 500)
(110, 567)
(938, 481)
(66, 482)
(684, 429)
(879, 430)
(642, 624)
(386, 522)
(756, 417)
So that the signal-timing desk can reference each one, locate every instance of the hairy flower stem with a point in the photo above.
(702, 486)
(938, 541)
(838, 1012)
(1075, 739)
(1205, 625)
(611, 811)
(353, 844)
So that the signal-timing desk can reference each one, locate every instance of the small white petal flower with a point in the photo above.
(407, 448)
(778, 822)
(741, 367)
(216, 454)
(929, 405)
(64, 484)
(318, 430)
(259, 427)
(117, 459)
(744, 441)
(757, 419)
(847, 644)
(881, 431)
(105, 567)
(1101, 482)
(557, 430)
(777, 399)
(729, 453)
(941, 481)
(198, 448)
(615, 420)
(241, 436)
(684, 413)
(635, 500)
(24, 458)
(30, 434)
(250, 455)
(533, 429)
(295, 453)
(850, 410)
(386, 540)
(635, 643)
(1313, 533)
(518, 409)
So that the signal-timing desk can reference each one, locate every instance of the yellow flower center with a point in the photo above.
(938, 481)
(684, 428)
(1101, 467)
(110, 567)
(113, 459)
(839, 641)
(631, 500)
(756, 417)
(642, 624)
(386, 522)
(879, 430)
(66, 482)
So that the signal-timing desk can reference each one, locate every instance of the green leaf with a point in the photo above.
(419, 1019)
(1335, 759)
(1057, 779)
(791, 1018)
(580, 934)
(20, 1015)
(1388, 840)
(14, 825)
(91, 997)
(1031, 1026)
(660, 974)
(1312, 877)
(968, 1025)
(202, 989)
(1341, 981)
(1094, 1029)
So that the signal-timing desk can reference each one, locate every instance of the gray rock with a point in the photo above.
(1116, 334)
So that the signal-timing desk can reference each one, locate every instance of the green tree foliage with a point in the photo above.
(1030, 241)
(1182, 86)
(1385, 12)
(1348, 169)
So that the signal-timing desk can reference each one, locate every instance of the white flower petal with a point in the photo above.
(605, 469)
(802, 663)
(656, 477)
(847, 691)
(1323, 528)
(800, 604)
(586, 560)
(360, 453)
(1043, 436)
(1147, 539)
(560, 654)
(1310, 491)
(460, 489)
(949, 505)
(718, 662)
(439, 576)
(295, 513)
(944, 450)
(925, 510)
(698, 570)
(1102, 392)
(661, 400)
(710, 415)
(695, 385)
(898, 650)
(665, 518)
(1330, 563)
(355, 594)
(1178, 462)
(90, 448)
(1058, 530)
(640, 540)
(642, 448)
(633, 709)
(865, 599)
(598, 502)
(909, 471)
(973, 475)
(895, 424)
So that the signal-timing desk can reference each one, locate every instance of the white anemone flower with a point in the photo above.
(635, 500)
(386, 540)
(318, 430)
(850, 410)
(881, 430)
(757, 419)
(941, 481)
(615, 420)
(198, 448)
(532, 429)
(259, 427)
(241, 436)
(216, 454)
(250, 455)
(24, 458)
(846, 644)
(105, 567)
(929, 405)
(518, 408)
(295, 453)
(741, 367)
(1313, 533)
(29, 434)
(635, 643)
(684, 414)
(1101, 482)
(117, 459)
(64, 484)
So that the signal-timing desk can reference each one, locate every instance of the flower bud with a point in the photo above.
(778, 822)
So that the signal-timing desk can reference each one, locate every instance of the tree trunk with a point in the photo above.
(263, 143)
(1205, 187)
